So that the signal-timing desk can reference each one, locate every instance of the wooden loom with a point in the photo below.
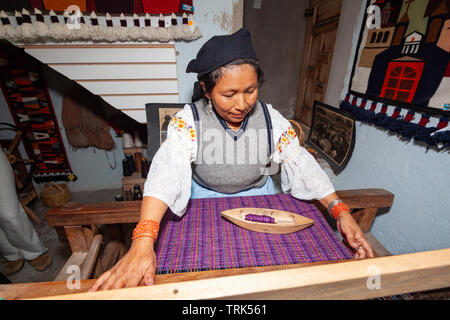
(345, 280)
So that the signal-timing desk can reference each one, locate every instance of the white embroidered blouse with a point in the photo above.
(170, 174)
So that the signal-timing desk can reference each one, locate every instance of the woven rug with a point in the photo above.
(203, 240)
(29, 102)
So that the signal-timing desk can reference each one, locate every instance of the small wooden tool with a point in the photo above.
(267, 220)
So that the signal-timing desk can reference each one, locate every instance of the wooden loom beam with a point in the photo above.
(357, 279)
(59, 286)
(75, 214)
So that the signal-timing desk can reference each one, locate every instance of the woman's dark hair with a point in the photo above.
(210, 79)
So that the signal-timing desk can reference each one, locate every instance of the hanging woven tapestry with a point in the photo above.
(103, 6)
(401, 72)
(160, 23)
(28, 100)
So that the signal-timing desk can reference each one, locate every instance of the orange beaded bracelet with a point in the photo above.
(338, 208)
(146, 228)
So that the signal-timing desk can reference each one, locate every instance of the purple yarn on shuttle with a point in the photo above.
(259, 218)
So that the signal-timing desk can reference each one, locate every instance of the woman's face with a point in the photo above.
(235, 92)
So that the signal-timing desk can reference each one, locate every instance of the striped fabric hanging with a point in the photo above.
(115, 6)
(161, 6)
(61, 5)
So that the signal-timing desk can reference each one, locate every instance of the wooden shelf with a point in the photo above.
(131, 181)
(132, 151)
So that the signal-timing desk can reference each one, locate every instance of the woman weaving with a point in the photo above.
(192, 162)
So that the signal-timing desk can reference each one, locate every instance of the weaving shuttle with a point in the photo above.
(267, 220)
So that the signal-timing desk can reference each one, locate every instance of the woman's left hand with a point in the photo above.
(352, 233)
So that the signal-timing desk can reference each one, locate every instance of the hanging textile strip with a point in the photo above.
(28, 100)
(61, 5)
(137, 7)
(161, 6)
(15, 5)
(432, 130)
(186, 6)
(76, 27)
(203, 240)
(115, 6)
(90, 6)
(38, 4)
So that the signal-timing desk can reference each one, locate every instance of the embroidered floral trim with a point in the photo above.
(286, 139)
(181, 126)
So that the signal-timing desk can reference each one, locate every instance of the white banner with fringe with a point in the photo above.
(40, 28)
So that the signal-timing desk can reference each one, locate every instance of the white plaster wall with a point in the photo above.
(213, 18)
(419, 219)
(352, 13)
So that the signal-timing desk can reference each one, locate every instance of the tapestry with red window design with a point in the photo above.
(401, 71)
(402, 78)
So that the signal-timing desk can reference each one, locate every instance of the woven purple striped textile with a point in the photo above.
(203, 240)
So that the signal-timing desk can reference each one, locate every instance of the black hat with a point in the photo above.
(220, 50)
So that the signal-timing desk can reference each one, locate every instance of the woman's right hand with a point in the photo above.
(137, 267)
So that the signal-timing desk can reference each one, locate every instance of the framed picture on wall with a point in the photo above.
(332, 135)
(158, 119)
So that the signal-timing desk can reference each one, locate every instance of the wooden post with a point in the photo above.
(77, 238)
(364, 218)
(59, 286)
(89, 262)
